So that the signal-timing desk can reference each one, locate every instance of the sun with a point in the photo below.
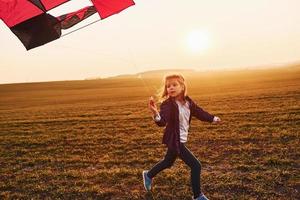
(198, 41)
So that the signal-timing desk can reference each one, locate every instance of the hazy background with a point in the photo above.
(155, 35)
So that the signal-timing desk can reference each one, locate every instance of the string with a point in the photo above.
(133, 63)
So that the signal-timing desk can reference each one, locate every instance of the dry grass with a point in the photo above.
(92, 139)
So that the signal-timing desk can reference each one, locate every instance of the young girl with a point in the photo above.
(175, 113)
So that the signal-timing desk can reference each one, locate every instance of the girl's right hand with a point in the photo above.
(152, 106)
(216, 119)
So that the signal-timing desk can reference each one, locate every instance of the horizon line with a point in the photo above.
(225, 69)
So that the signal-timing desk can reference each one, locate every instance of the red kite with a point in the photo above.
(30, 22)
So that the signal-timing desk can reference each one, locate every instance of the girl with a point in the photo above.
(175, 113)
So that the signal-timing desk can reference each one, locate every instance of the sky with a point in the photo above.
(156, 34)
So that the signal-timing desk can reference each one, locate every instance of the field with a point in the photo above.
(91, 139)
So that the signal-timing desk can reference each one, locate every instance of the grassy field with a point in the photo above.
(92, 139)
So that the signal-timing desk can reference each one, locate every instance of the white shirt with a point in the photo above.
(184, 116)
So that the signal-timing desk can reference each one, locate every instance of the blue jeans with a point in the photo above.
(188, 158)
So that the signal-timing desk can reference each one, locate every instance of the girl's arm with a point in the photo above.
(161, 117)
(201, 114)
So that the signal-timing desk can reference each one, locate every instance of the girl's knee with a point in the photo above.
(167, 163)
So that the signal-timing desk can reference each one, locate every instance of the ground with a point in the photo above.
(92, 139)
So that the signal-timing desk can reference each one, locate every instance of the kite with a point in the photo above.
(30, 22)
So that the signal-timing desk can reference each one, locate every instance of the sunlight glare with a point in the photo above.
(198, 40)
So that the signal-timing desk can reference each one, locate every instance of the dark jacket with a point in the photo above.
(170, 118)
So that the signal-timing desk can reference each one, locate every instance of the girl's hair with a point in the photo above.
(163, 94)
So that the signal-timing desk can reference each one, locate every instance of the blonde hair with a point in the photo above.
(163, 94)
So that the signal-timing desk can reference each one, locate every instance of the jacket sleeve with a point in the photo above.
(164, 114)
(201, 114)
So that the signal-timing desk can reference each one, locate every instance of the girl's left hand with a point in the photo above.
(216, 119)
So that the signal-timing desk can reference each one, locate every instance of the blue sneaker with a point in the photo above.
(202, 197)
(147, 181)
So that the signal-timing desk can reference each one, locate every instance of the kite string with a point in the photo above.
(149, 92)
(133, 63)
(132, 60)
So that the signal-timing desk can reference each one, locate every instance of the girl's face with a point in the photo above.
(174, 88)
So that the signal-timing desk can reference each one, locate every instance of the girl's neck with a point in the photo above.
(180, 99)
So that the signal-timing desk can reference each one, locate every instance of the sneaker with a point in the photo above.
(202, 197)
(147, 181)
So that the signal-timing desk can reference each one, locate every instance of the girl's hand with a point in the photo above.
(152, 106)
(216, 119)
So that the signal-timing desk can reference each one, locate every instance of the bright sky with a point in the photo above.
(161, 34)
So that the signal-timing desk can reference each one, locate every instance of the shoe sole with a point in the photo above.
(144, 181)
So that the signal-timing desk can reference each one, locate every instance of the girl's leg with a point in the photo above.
(167, 162)
(189, 159)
